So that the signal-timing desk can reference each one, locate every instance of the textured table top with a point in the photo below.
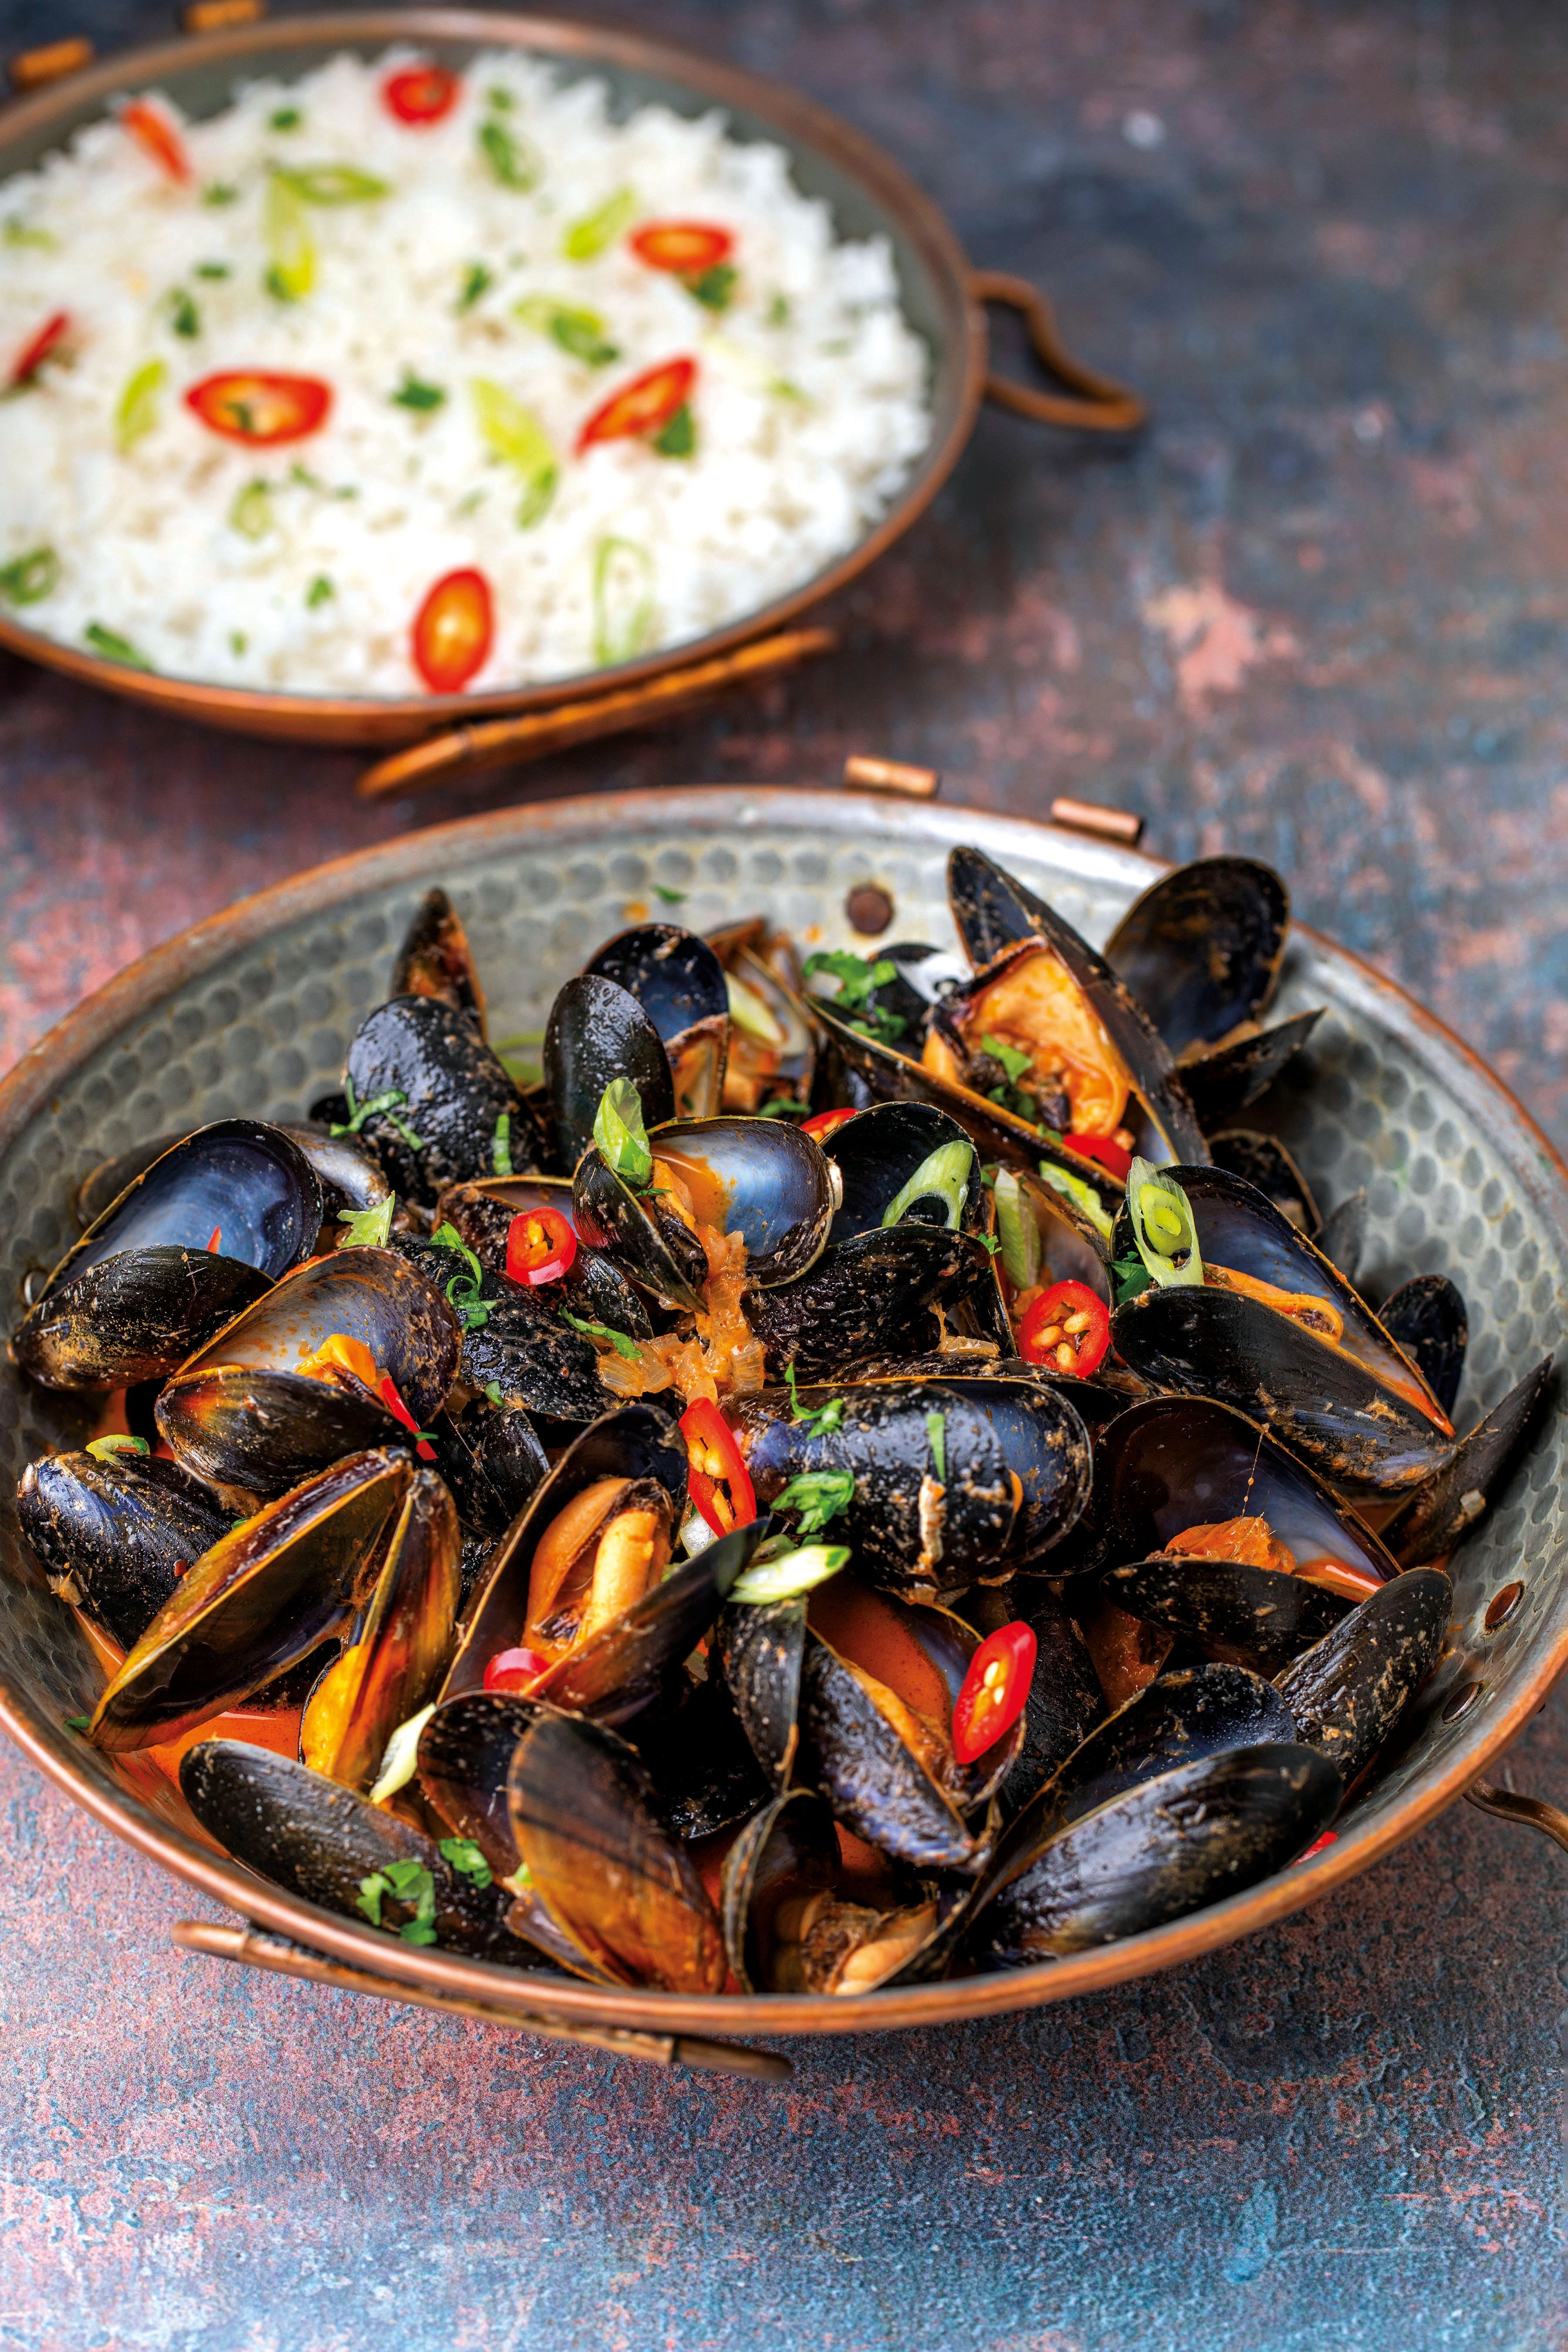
(1318, 613)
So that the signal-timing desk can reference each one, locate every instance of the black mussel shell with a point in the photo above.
(1348, 1692)
(322, 1842)
(679, 982)
(986, 902)
(601, 1860)
(1342, 1236)
(759, 1646)
(260, 1599)
(436, 961)
(880, 1150)
(760, 1178)
(644, 1241)
(1040, 1427)
(867, 1297)
(636, 1441)
(192, 1240)
(620, 1671)
(1428, 1318)
(1229, 1609)
(238, 1414)
(1173, 1463)
(350, 1174)
(514, 1339)
(1167, 1847)
(397, 1653)
(104, 1184)
(597, 1032)
(477, 1546)
(701, 1760)
(1263, 1161)
(1441, 1513)
(874, 1783)
(1065, 1701)
(1195, 1711)
(1201, 949)
(1225, 1079)
(786, 1854)
(452, 1093)
(491, 1458)
(592, 1286)
(917, 1527)
(120, 1533)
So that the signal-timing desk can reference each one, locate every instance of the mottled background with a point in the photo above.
(1320, 613)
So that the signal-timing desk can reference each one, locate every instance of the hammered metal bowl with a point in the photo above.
(252, 1012)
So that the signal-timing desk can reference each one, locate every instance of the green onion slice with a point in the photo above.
(137, 411)
(1016, 1229)
(1162, 1227)
(792, 1574)
(749, 1012)
(624, 610)
(943, 1175)
(587, 237)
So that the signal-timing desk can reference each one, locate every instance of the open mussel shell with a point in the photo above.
(1263, 1161)
(644, 1240)
(679, 981)
(192, 1239)
(597, 1032)
(491, 1458)
(1229, 1609)
(1194, 1711)
(258, 1601)
(448, 1090)
(880, 1150)
(1201, 949)
(1155, 1853)
(1065, 1701)
(867, 1297)
(636, 1441)
(396, 1654)
(700, 1759)
(117, 1535)
(350, 1174)
(322, 1842)
(759, 1646)
(1224, 1079)
(1348, 1692)
(603, 1863)
(515, 1343)
(1428, 1320)
(777, 1066)
(619, 1671)
(918, 1528)
(1045, 1442)
(592, 1286)
(436, 960)
(993, 912)
(239, 1416)
(857, 1754)
(1443, 1511)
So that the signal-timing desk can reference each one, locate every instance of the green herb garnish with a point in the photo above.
(285, 118)
(784, 1106)
(778, 310)
(819, 1496)
(291, 247)
(1132, 1278)
(579, 333)
(104, 1449)
(466, 1859)
(1017, 1064)
(31, 577)
(511, 432)
(936, 1432)
(320, 591)
(715, 287)
(384, 1106)
(333, 184)
(623, 1344)
(817, 1420)
(670, 897)
(214, 269)
(251, 513)
(114, 647)
(492, 1389)
(857, 979)
(184, 316)
(368, 1228)
(217, 192)
(477, 280)
(621, 1135)
(421, 398)
(501, 1145)
(678, 438)
(587, 237)
(18, 233)
(463, 1289)
(238, 642)
(75, 1722)
(516, 164)
(409, 1881)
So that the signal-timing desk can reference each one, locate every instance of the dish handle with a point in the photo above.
(1103, 406)
(1509, 1805)
(252, 1950)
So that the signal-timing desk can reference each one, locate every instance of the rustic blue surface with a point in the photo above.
(1320, 613)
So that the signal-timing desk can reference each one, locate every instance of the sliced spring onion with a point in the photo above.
(620, 1133)
(290, 248)
(515, 163)
(1016, 1230)
(696, 1535)
(587, 237)
(333, 184)
(18, 233)
(402, 1750)
(31, 577)
(515, 434)
(137, 411)
(114, 647)
(943, 1175)
(104, 1449)
(748, 1011)
(793, 1573)
(624, 610)
(1082, 1195)
(251, 513)
(580, 333)
(1162, 1227)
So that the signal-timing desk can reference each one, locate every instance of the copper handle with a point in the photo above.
(511, 742)
(275, 1953)
(1533, 1812)
(1105, 407)
(34, 67)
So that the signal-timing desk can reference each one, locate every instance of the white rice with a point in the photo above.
(386, 500)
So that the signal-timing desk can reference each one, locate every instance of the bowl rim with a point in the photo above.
(784, 110)
(417, 857)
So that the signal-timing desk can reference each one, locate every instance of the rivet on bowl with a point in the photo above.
(1502, 1604)
(869, 909)
(1463, 1699)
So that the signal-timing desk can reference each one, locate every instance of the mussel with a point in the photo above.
(1451, 1502)
(197, 1236)
(435, 959)
(772, 1054)
(116, 1534)
(1427, 1320)
(433, 1101)
(597, 1033)
(301, 1378)
(679, 982)
(1347, 1692)
(491, 1458)
(882, 1293)
(592, 1286)
(517, 1347)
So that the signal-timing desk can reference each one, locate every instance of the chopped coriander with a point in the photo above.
(218, 192)
(857, 979)
(1016, 1063)
(499, 98)
(936, 1431)
(784, 1106)
(715, 287)
(819, 1496)
(819, 1420)
(492, 1389)
(184, 316)
(285, 118)
(620, 1341)
(320, 591)
(104, 1449)
(385, 1106)
(368, 1228)
(1132, 1278)
(515, 164)
(464, 1289)
(778, 311)
(477, 280)
(114, 647)
(670, 897)
(251, 513)
(31, 577)
(678, 438)
(76, 1722)
(501, 1145)
(412, 393)
(238, 643)
(466, 1859)
(621, 1135)
(369, 1898)
(214, 269)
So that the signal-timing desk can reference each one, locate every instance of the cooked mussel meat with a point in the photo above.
(192, 1239)
(115, 1531)
(794, 1924)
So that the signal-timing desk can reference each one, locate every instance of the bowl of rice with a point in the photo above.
(373, 370)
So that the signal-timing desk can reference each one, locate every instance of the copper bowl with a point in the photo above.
(252, 1011)
(869, 195)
